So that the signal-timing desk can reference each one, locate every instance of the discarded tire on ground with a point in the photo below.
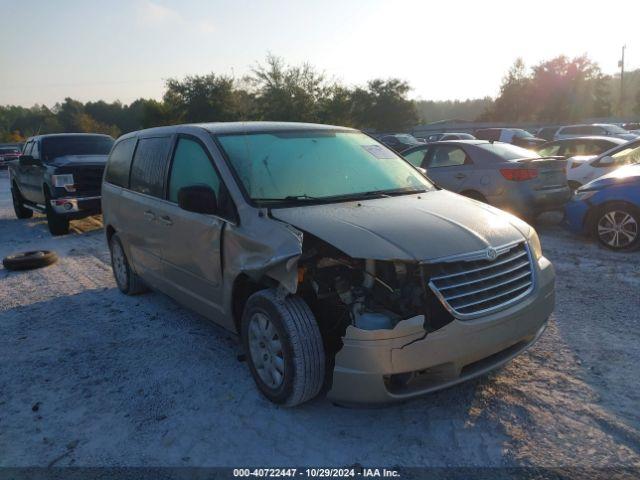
(29, 260)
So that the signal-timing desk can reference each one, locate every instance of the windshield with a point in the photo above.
(507, 151)
(317, 165)
(409, 139)
(519, 133)
(53, 147)
(614, 129)
(627, 156)
(9, 150)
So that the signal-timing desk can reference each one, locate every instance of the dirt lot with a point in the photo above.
(89, 377)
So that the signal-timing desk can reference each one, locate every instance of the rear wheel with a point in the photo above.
(127, 280)
(573, 185)
(617, 226)
(18, 206)
(475, 196)
(284, 347)
(58, 224)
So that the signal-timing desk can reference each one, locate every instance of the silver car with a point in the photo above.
(503, 175)
(339, 265)
(600, 129)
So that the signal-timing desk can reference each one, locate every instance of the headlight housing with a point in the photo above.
(64, 181)
(534, 244)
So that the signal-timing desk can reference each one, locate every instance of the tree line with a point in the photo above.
(556, 91)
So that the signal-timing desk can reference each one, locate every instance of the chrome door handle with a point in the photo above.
(149, 215)
(165, 220)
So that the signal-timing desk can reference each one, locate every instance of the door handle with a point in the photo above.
(460, 176)
(165, 220)
(149, 215)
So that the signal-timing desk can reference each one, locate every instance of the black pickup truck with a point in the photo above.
(59, 175)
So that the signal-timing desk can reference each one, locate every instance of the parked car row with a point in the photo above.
(332, 257)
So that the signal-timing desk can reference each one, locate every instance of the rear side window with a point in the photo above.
(119, 164)
(446, 156)
(147, 172)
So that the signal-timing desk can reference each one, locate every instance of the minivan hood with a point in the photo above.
(70, 160)
(410, 227)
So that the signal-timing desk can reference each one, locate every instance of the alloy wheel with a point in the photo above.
(617, 229)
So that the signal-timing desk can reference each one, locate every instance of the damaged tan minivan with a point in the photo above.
(341, 266)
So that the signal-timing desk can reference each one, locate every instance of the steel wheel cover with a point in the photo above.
(119, 264)
(265, 349)
(618, 229)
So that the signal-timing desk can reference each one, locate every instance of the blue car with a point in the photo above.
(609, 209)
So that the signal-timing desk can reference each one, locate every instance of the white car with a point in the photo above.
(583, 169)
(601, 129)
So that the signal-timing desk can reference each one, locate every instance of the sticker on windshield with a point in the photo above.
(379, 151)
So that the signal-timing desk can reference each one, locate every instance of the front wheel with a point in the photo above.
(284, 347)
(617, 227)
(58, 224)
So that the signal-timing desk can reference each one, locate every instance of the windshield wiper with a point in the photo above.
(288, 198)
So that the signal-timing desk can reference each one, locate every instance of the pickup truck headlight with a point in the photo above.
(534, 244)
(63, 181)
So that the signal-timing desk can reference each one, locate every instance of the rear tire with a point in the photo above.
(573, 185)
(127, 280)
(475, 196)
(21, 211)
(617, 226)
(284, 347)
(58, 224)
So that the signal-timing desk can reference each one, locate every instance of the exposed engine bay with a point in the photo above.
(368, 294)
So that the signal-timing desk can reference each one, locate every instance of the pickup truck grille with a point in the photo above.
(88, 180)
(472, 288)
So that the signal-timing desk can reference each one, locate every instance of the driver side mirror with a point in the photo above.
(198, 199)
(26, 160)
(608, 160)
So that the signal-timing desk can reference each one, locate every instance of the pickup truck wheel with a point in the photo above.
(29, 260)
(284, 347)
(18, 207)
(617, 226)
(58, 224)
(127, 280)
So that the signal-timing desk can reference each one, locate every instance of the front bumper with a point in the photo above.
(575, 215)
(385, 366)
(77, 206)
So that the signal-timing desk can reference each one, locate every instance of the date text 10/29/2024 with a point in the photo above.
(316, 472)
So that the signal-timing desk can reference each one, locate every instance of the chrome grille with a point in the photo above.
(476, 287)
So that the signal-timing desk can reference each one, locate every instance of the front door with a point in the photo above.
(191, 241)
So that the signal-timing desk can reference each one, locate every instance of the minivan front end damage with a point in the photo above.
(385, 366)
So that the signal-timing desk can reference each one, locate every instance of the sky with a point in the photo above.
(449, 49)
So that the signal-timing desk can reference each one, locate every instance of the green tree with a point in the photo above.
(383, 106)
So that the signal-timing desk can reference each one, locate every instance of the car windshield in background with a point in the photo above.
(408, 139)
(614, 129)
(627, 156)
(317, 165)
(4, 151)
(53, 147)
(507, 151)
(518, 133)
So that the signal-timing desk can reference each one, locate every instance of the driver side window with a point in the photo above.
(415, 158)
(191, 166)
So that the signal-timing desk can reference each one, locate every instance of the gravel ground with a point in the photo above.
(90, 377)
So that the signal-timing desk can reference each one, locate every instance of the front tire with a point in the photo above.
(21, 211)
(617, 226)
(127, 280)
(58, 224)
(284, 347)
